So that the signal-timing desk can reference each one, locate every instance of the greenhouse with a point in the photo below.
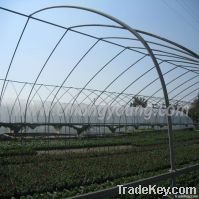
(84, 97)
(100, 118)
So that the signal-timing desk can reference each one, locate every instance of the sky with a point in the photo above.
(176, 20)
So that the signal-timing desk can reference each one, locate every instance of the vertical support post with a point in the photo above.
(171, 146)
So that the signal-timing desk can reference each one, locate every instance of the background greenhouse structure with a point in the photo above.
(79, 80)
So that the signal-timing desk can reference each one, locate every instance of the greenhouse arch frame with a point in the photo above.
(174, 54)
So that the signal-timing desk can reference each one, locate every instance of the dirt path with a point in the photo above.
(85, 150)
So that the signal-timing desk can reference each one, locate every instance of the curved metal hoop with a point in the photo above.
(175, 55)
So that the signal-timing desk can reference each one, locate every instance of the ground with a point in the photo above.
(43, 168)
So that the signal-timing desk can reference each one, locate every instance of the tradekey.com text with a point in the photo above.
(189, 192)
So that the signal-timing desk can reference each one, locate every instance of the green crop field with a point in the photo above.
(99, 163)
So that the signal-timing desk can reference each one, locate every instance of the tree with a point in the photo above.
(194, 110)
(139, 101)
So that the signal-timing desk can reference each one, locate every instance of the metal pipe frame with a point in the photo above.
(158, 53)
